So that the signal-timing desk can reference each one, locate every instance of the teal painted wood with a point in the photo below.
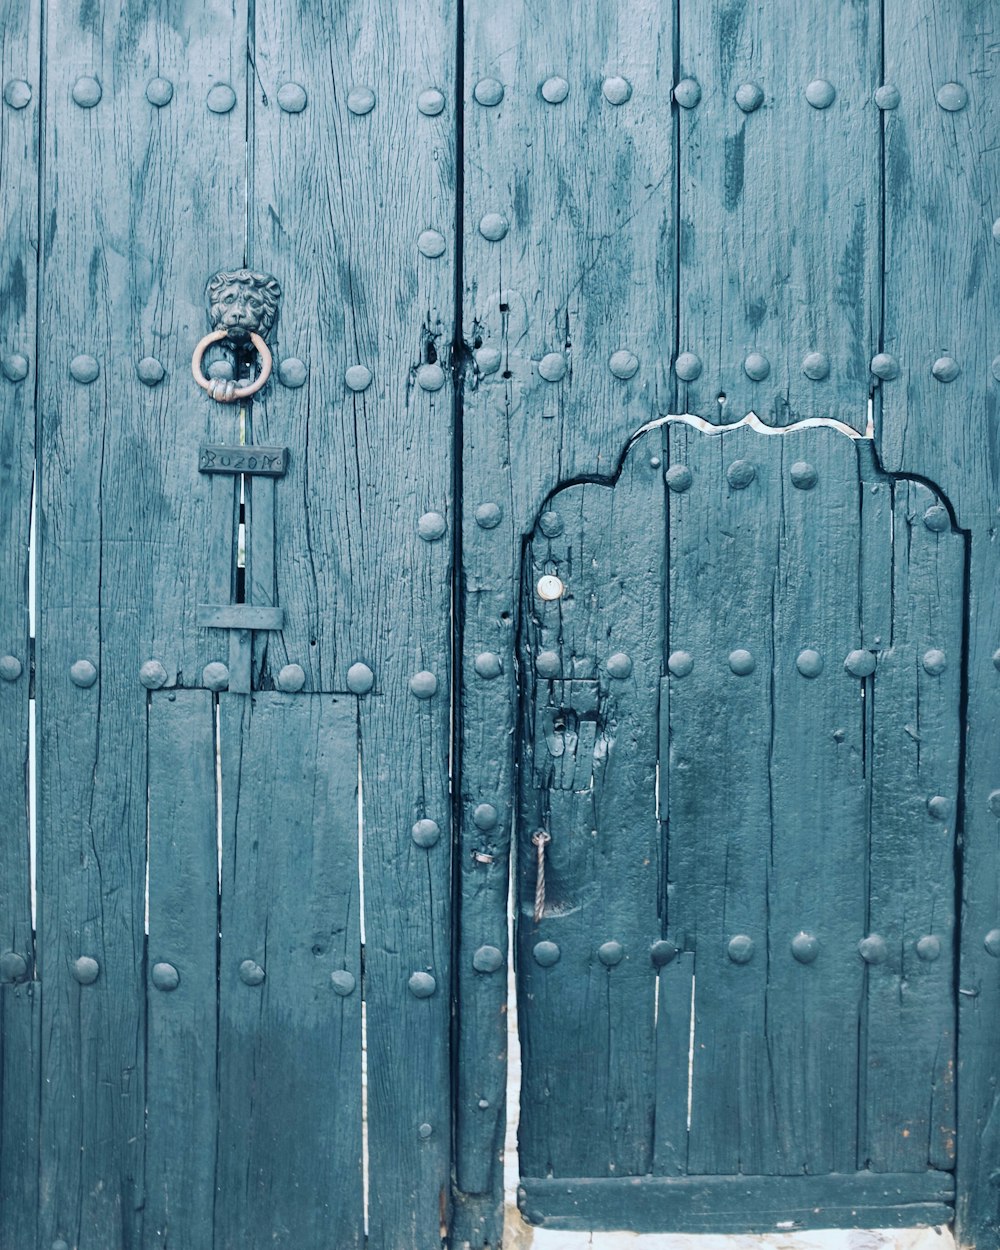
(779, 209)
(289, 1146)
(134, 218)
(182, 1107)
(733, 1204)
(589, 780)
(19, 993)
(343, 193)
(915, 762)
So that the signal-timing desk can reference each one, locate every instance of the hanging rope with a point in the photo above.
(540, 840)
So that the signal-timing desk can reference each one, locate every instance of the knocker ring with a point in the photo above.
(224, 390)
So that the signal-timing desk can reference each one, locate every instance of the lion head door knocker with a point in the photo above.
(242, 307)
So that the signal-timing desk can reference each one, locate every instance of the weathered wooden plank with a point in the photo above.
(19, 993)
(779, 208)
(239, 616)
(576, 279)
(589, 781)
(910, 1111)
(134, 218)
(740, 1203)
(723, 552)
(817, 872)
(344, 191)
(289, 1148)
(181, 1057)
(673, 1037)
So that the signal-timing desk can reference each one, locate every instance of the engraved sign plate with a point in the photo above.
(266, 461)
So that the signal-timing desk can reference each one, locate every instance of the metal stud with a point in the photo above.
(952, 97)
(936, 518)
(756, 367)
(662, 953)
(425, 832)
(546, 954)
(221, 369)
(938, 807)
(430, 243)
(993, 802)
(423, 685)
(803, 475)
(425, 1131)
(679, 478)
(623, 364)
(550, 588)
(687, 366)
(742, 662)
(996, 230)
(680, 663)
(150, 371)
(87, 92)
(84, 369)
(816, 366)
(358, 377)
(860, 663)
(934, 662)
(992, 943)
(616, 90)
(360, 100)
(548, 664)
(873, 949)
(483, 1104)
(554, 90)
(488, 959)
(431, 526)
(493, 226)
(687, 93)
(153, 675)
(995, 367)
(165, 977)
(430, 377)
(946, 369)
(488, 360)
(292, 97)
(14, 367)
(551, 524)
(342, 981)
(809, 663)
(485, 816)
(805, 948)
(740, 474)
(215, 675)
(292, 372)
(17, 94)
(887, 96)
(85, 970)
(552, 366)
(488, 516)
(996, 659)
(619, 666)
(10, 667)
(421, 985)
(488, 665)
(929, 948)
(60, 1244)
(749, 97)
(820, 93)
(13, 966)
(740, 948)
(82, 673)
(431, 102)
(360, 678)
(291, 678)
(488, 92)
(159, 92)
(221, 98)
(884, 366)
(610, 953)
(251, 973)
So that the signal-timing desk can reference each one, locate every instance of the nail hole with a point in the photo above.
(722, 397)
(507, 374)
(505, 307)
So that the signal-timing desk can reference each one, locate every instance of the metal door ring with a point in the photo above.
(224, 390)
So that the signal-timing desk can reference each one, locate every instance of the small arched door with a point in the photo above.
(740, 733)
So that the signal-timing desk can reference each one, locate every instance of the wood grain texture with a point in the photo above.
(135, 215)
(779, 208)
(182, 1107)
(340, 200)
(289, 1146)
(19, 993)
(591, 660)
